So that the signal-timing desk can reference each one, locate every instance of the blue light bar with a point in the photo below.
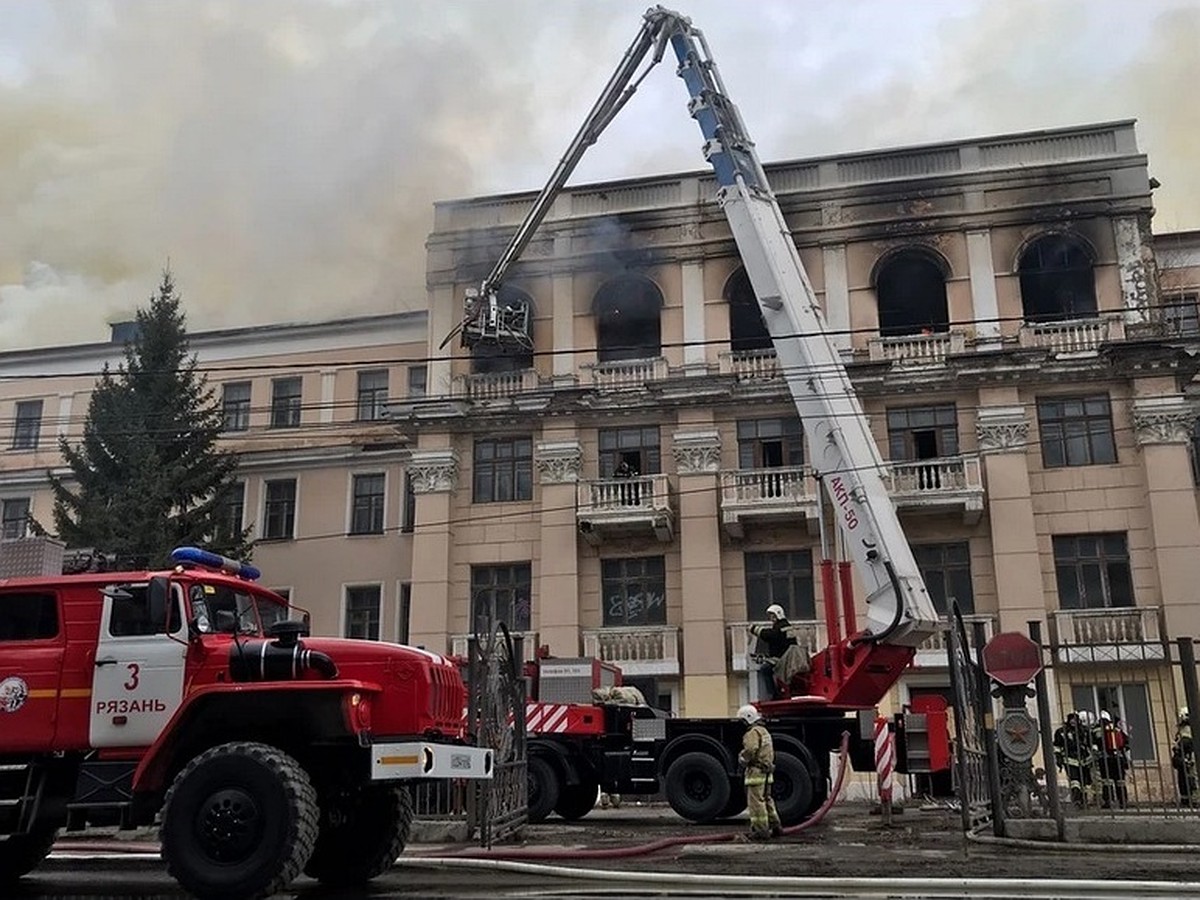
(197, 557)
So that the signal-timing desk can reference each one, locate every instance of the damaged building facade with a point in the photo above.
(998, 305)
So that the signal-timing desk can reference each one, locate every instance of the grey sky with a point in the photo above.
(283, 154)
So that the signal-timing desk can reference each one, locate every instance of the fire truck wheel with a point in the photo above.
(697, 787)
(21, 853)
(793, 789)
(362, 833)
(543, 789)
(240, 820)
(737, 801)
(577, 800)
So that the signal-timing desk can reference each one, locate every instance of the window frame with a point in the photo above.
(236, 488)
(1141, 750)
(1103, 560)
(374, 622)
(613, 443)
(514, 579)
(903, 424)
(372, 399)
(787, 577)
(9, 605)
(267, 511)
(6, 520)
(938, 574)
(786, 430)
(418, 381)
(408, 506)
(287, 408)
(235, 412)
(373, 509)
(27, 429)
(1181, 314)
(618, 575)
(1054, 431)
(502, 477)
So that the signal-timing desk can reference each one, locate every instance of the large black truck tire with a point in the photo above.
(362, 832)
(793, 789)
(698, 787)
(22, 853)
(543, 788)
(577, 800)
(239, 821)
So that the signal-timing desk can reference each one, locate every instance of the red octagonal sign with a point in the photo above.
(1012, 659)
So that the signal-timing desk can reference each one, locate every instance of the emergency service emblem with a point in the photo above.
(13, 694)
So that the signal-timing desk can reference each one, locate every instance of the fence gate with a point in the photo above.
(973, 759)
(498, 808)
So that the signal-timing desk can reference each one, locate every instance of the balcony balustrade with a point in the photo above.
(933, 653)
(1110, 635)
(623, 507)
(1073, 337)
(810, 635)
(749, 365)
(786, 493)
(938, 485)
(626, 374)
(931, 349)
(641, 651)
(495, 385)
(459, 643)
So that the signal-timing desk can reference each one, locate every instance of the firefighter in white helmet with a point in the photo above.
(773, 641)
(758, 759)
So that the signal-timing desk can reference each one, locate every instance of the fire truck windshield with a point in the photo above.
(221, 609)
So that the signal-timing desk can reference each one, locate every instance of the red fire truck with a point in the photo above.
(634, 749)
(195, 695)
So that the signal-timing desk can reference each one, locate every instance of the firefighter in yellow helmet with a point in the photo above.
(758, 758)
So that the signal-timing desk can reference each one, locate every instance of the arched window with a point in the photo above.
(1057, 281)
(627, 311)
(746, 328)
(491, 357)
(910, 287)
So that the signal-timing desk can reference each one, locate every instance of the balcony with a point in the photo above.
(749, 365)
(625, 507)
(928, 349)
(779, 495)
(933, 654)
(809, 634)
(626, 374)
(1072, 337)
(459, 643)
(647, 650)
(1111, 635)
(952, 483)
(495, 385)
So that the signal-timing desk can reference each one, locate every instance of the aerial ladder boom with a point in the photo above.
(900, 614)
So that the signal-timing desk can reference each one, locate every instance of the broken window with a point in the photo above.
(910, 288)
(922, 432)
(747, 331)
(627, 313)
(1057, 281)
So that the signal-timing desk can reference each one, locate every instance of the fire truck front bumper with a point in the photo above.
(425, 759)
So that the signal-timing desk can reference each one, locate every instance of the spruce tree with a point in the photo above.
(148, 475)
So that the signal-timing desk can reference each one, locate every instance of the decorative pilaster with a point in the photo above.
(1136, 266)
(558, 462)
(696, 452)
(1002, 429)
(1163, 420)
(433, 471)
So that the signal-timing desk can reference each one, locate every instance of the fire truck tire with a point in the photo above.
(697, 787)
(362, 833)
(240, 820)
(577, 800)
(543, 788)
(22, 853)
(793, 789)
(737, 801)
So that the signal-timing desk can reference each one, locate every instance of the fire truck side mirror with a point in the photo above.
(158, 596)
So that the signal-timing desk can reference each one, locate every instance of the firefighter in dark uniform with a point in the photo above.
(1073, 754)
(773, 641)
(1111, 748)
(1183, 760)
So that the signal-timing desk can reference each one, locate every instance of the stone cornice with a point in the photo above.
(433, 471)
(696, 452)
(558, 462)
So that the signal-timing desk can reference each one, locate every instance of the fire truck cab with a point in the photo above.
(194, 697)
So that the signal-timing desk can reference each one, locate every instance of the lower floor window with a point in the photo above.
(362, 612)
(634, 591)
(1128, 701)
(501, 594)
